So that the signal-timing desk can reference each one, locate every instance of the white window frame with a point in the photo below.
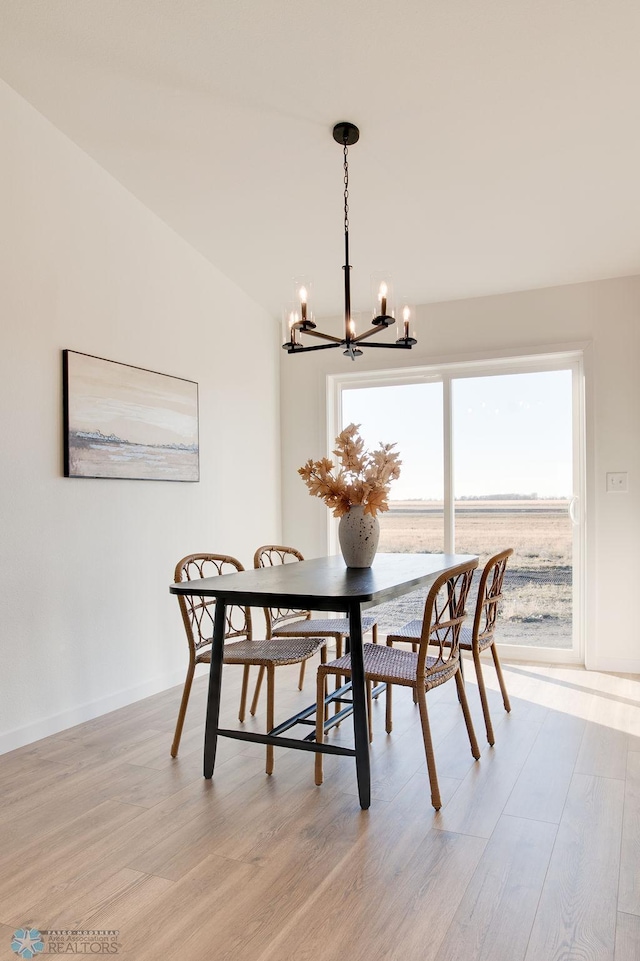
(445, 373)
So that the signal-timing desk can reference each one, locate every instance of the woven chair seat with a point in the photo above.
(466, 640)
(410, 632)
(277, 651)
(321, 627)
(394, 666)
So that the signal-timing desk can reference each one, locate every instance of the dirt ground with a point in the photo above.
(538, 593)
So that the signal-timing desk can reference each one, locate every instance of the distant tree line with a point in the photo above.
(506, 497)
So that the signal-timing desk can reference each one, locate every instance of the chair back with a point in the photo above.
(444, 612)
(198, 612)
(270, 555)
(489, 597)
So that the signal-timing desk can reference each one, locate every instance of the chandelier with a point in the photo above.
(298, 319)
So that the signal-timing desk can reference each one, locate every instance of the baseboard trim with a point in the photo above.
(21, 736)
(615, 665)
(538, 655)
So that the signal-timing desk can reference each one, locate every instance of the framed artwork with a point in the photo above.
(127, 422)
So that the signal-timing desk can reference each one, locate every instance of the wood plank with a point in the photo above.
(603, 752)
(400, 887)
(35, 868)
(543, 784)
(6, 936)
(494, 918)
(252, 902)
(448, 731)
(627, 937)
(192, 839)
(629, 887)
(479, 802)
(161, 927)
(98, 898)
(578, 906)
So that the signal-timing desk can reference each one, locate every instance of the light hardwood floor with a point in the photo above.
(535, 855)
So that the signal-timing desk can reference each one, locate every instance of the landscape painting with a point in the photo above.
(126, 422)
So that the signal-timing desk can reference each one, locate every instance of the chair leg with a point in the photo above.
(183, 709)
(256, 693)
(414, 648)
(388, 726)
(337, 707)
(320, 717)
(243, 695)
(503, 686)
(374, 633)
(271, 676)
(464, 704)
(483, 698)
(461, 663)
(301, 678)
(323, 660)
(428, 749)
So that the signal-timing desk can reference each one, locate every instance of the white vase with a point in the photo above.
(358, 534)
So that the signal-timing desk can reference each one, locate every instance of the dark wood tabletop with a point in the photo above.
(325, 583)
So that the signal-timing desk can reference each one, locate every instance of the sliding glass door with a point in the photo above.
(513, 485)
(492, 458)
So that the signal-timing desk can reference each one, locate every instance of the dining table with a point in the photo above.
(319, 584)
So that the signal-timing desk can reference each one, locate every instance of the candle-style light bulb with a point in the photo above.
(303, 302)
(382, 297)
(406, 317)
(352, 328)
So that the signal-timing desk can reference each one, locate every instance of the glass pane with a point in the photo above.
(513, 458)
(409, 415)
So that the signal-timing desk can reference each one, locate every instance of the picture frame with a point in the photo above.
(127, 422)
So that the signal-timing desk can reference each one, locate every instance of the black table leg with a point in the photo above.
(359, 694)
(215, 686)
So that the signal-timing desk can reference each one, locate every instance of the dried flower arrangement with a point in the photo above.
(364, 476)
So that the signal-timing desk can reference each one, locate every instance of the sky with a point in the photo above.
(511, 433)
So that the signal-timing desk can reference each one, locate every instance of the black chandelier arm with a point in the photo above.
(368, 333)
(318, 333)
(297, 349)
(398, 345)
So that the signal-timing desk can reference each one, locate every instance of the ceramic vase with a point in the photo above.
(358, 534)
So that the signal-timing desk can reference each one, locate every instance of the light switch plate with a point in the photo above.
(617, 483)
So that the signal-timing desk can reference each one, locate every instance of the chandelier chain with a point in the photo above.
(346, 191)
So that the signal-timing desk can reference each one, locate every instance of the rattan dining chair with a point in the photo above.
(444, 613)
(481, 635)
(288, 623)
(198, 617)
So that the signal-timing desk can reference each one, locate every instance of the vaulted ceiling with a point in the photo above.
(499, 150)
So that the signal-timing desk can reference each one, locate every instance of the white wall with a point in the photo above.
(605, 315)
(87, 623)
